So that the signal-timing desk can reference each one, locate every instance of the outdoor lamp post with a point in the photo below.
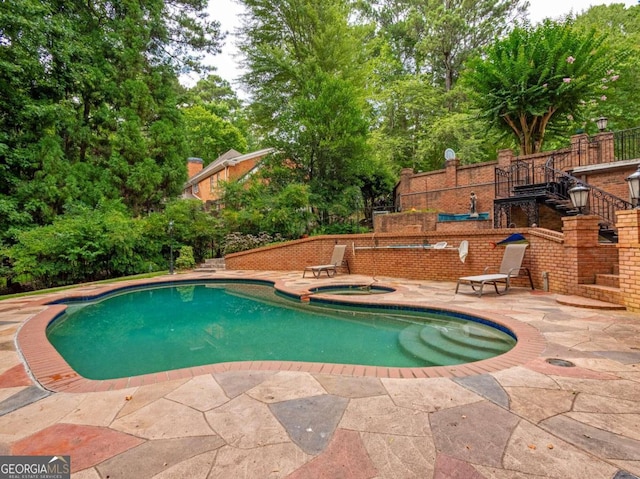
(633, 180)
(171, 247)
(602, 123)
(579, 197)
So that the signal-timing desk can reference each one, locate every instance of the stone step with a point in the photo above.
(411, 342)
(588, 303)
(611, 280)
(441, 345)
(606, 294)
(212, 264)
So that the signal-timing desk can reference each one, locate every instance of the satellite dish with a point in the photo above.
(449, 154)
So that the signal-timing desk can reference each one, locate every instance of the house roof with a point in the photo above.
(230, 158)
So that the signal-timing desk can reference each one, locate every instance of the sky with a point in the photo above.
(227, 12)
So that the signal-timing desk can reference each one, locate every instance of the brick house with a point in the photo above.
(204, 183)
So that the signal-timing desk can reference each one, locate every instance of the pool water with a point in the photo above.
(163, 328)
(353, 289)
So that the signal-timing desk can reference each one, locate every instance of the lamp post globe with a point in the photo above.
(579, 195)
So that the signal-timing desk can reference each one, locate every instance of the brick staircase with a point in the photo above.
(211, 265)
(606, 288)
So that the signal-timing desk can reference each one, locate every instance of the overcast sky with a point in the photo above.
(227, 11)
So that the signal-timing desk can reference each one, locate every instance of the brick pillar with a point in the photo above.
(628, 223)
(451, 172)
(505, 157)
(580, 244)
(404, 188)
(604, 142)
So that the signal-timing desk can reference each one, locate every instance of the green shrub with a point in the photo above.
(185, 259)
(235, 242)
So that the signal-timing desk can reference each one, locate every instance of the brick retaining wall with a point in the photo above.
(565, 261)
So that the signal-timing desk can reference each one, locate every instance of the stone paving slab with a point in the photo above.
(534, 451)
(310, 422)
(153, 457)
(345, 457)
(22, 398)
(400, 457)
(163, 419)
(486, 386)
(87, 445)
(460, 432)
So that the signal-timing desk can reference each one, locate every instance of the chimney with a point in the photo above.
(194, 166)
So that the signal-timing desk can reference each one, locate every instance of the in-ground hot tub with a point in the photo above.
(353, 289)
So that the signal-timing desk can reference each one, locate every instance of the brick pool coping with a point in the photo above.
(50, 369)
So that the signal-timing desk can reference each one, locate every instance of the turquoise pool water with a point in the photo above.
(163, 328)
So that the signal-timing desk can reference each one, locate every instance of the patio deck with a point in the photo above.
(510, 418)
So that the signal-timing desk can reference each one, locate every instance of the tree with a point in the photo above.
(88, 95)
(216, 95)
(438, 37)
(208, 135)
(420, 109)
(306, 73)
(215, 121)
(538, 78)
(622, 29)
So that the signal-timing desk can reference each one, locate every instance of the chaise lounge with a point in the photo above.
(330, 268)
(509, 268)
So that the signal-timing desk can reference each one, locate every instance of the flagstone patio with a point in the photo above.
(512, 418)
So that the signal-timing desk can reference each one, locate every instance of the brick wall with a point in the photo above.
(448, 190)
(364, 258)
(611, 180)
(567, 259)
(415, 222)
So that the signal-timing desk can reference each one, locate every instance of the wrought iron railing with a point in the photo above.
(524, 177)
(626, 144)
(519, 173)
(600, 202)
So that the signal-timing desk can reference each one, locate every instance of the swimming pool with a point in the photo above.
(152, 329)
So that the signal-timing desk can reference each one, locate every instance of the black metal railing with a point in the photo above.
(600, 202)
(519, 173)
(626, 144)
(524, 178)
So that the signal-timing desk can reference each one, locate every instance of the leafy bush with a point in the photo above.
(83, 245)
(235, 242)
(340, 229)
(185, 259)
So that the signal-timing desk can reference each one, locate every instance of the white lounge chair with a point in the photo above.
(509, 268)
(330, 268)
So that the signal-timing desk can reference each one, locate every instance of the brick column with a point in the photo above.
(580, 149)
(505, 157)
(404, 188)
(628, 223)
(604, 142)
(451, 172)
(580, 244)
